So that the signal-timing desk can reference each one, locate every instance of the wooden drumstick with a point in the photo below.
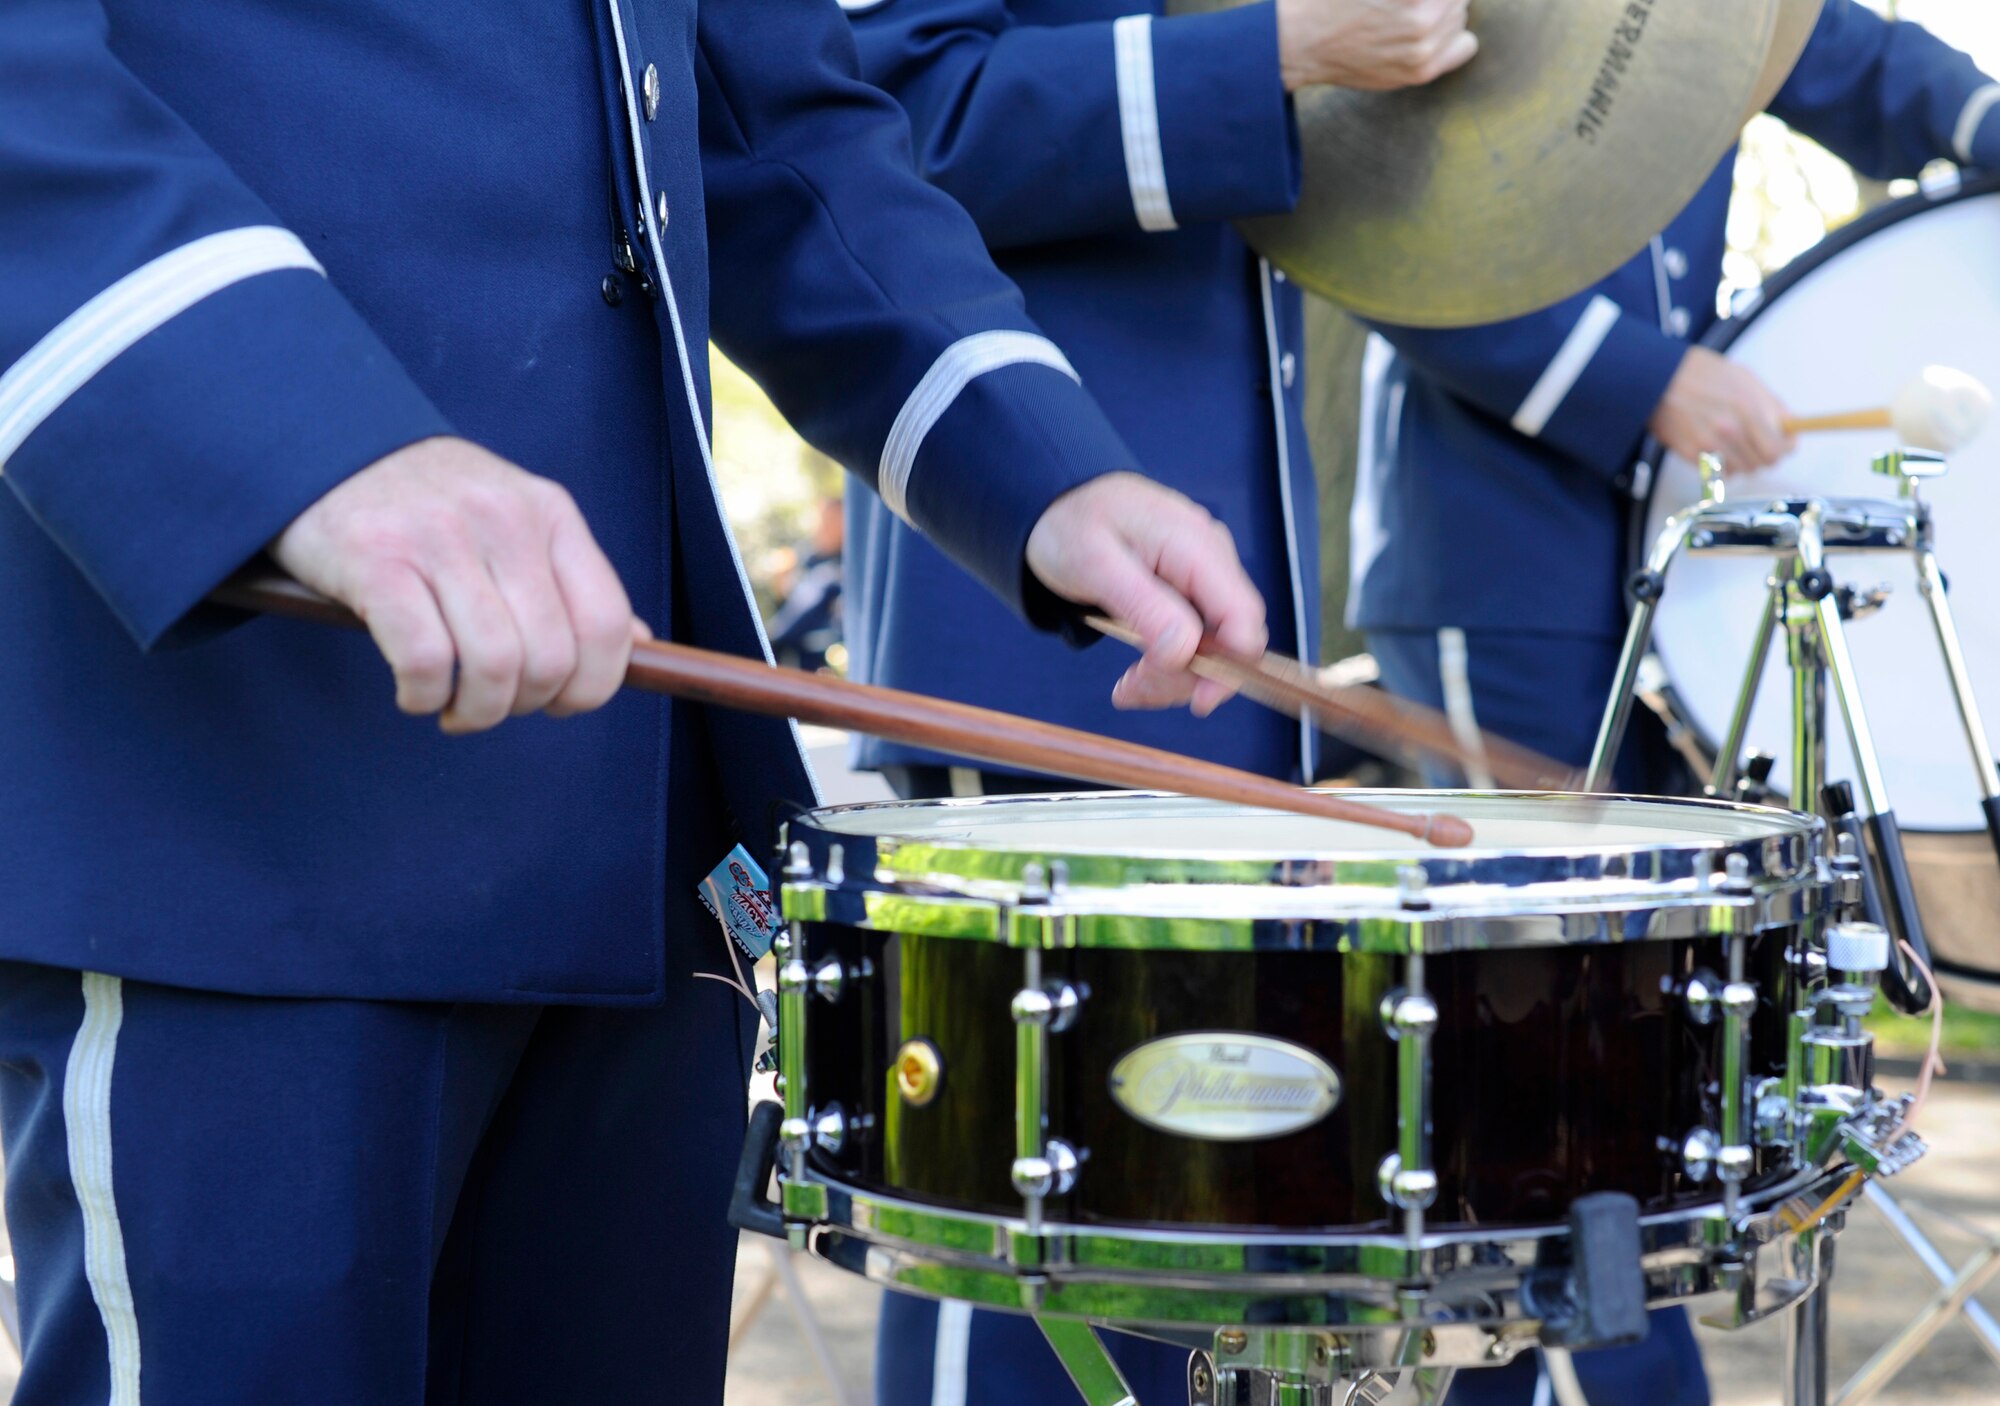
(1941, 410)
(1367, 717)
(1004, 739)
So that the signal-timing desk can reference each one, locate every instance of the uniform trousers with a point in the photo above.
(250, 1201)
(1548, 692)
(230, 1200)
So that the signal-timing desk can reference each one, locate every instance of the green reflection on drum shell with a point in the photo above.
(944, 863)
(932, 917)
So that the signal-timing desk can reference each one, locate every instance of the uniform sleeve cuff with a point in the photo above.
(1227, 129)
(1601, 420)
(180, 460)
(1014, 441)
(1977, 140)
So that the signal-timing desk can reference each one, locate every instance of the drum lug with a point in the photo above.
(1405, 1177)
(1771, 1114)
(1053, 1005)
(831, 978)
(1702, 991)
(829, 1130)
(1051, 1174)
(1406, 1190)
(1699, 1150)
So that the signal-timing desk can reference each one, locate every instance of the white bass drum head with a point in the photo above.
(1913, 285)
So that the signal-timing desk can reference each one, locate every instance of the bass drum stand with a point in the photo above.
(1812, 609)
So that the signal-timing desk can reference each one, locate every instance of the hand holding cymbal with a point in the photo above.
(1941, 410)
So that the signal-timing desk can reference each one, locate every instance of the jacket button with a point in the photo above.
(1676, 262)
(613, 294)
(1678, 322)
(650, 87)
(1277, 275)
(1288, 369)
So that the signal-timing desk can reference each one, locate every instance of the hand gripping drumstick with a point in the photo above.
(753, 686)
(1942, 410)
(1371, 719)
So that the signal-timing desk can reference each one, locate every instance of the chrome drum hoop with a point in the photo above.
(1364, 1284)
(849, 865)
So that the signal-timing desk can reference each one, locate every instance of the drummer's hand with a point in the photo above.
(479, 581)
(1373, 45)
(1145, 555)
(1714, 406)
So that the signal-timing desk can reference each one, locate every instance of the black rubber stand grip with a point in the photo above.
(1991, 805)
(1906, 989)
(748, 1208)
(1602, 1300)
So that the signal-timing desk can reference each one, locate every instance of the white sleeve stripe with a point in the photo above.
(1970, 117)
(93, 336)
(952, 372)
(1562, 372)
(1139, 122)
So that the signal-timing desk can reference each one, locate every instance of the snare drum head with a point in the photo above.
(1171, 857)
(1859, 319)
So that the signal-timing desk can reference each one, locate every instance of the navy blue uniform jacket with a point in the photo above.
(249, 246)
(1102, 152)
(1497, 462)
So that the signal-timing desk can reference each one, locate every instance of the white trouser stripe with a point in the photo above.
(1561, 373)
(952, 372)
(93, 336)
(954, 1345)
(1969, 117)
(1139, 122)
(1455, 682)
(87, 1118)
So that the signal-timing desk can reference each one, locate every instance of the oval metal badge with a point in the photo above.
(1225, 1087)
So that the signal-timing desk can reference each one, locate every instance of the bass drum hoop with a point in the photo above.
(1941, 859)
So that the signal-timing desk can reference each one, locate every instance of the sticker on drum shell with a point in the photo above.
(1219, 1086)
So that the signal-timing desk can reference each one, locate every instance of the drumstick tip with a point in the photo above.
(1448, 831)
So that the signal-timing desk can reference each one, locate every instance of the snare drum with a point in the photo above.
(1912, 284)
(1170, 1063)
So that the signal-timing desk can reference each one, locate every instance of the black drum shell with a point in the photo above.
(1558, 1070)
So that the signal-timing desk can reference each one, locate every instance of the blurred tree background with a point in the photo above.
(1789, 193)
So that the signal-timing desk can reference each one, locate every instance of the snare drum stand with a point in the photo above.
(1805, 599)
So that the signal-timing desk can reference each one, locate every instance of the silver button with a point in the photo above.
(1288, 369)
(650, 87)
(1676, 262)
(1277, 275)
(1678, 322)
(660, 208)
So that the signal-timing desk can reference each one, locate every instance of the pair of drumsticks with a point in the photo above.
(1004, 739)
(1941, 409)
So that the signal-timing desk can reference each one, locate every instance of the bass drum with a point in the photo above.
(1914, 283)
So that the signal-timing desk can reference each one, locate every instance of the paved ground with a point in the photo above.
(1878, 1288)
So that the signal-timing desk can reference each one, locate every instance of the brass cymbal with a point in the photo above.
(1796, 19)
(1542, 165)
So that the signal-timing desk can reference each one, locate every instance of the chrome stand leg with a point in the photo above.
(1083, 1356)
(1931, 582)
(1805, 1335)
(1618, 712)
(1983, 1325)
(1730, 757)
